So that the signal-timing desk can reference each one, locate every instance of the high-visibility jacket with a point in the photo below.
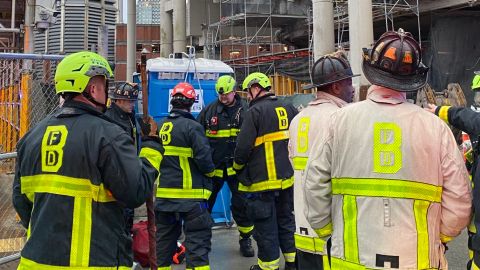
(221, 129)
(310, 124)
(75, 173)
(262, 146)
(186, 160)
(126, 121)
(392, 181)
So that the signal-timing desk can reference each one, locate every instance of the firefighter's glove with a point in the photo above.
(148, 127)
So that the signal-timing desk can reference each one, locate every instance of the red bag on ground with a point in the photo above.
(140, 243)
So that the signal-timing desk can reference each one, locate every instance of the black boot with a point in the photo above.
(290, 266)
(246, 247)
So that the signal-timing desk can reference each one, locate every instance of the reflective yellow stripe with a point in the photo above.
(178, 151)
(299, 163)
(206, 267)
(152, 155)
(210, 174)
(350, 228)
(186, 174)
(231, 171)
(443, 113)
(245, 230)
(237, 166)
(267, 185)
(272, 265)
(326, 263)
(64, 185)
(272, 137)
(219, 172)
(474, 266)
(223, 133)
(178, 193)
(26, 264)
(310, 244)
(371, 187)
(164, 268)
(270, 159)
(325, 231)
(344, 265)
(445, 238)
(471, 226)
(420, 209)
(81, 232)
(289, 256)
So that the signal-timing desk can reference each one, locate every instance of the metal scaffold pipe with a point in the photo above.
(131, 38)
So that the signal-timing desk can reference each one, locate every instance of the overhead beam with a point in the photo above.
(426, 6)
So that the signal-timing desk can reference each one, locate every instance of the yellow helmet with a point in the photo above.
(257, 78)
(225, 84)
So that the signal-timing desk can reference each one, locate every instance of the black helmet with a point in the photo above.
(395, 62)
(329, 69)
(125, 91)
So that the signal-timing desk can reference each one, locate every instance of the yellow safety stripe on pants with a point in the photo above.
(152, 155)
(350, 228)
(237, 166)
(376, 187)
(81, 232)
(272, 265)
(219, 172)
(443, 113)
(299, 163)
(420, 209)
(325, 231)
(289, 256)
(206, 267)
(179, 193)
(267, 185)
(270, 159)
(178, 151)
(64, 185)
(245, 230)
(186, 174)
(445, 238)
(164, 268)
(272, 137)
(326, 263)
(26, 264)
(308, 243)
(222, 133)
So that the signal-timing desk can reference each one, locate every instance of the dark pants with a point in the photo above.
(197, 226)
(238, 207)
(309, 261)
(128, 215)
(272, 214)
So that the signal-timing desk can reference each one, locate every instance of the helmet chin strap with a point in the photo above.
(88, 96)
(253, 97)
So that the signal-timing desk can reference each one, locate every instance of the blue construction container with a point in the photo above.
(163, 75)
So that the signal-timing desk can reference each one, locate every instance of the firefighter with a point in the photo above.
(184, 184)
(387, 169)
(222, 120)
(265, 173)
(75, 173)
(332, 76)
(467, 120)
(121, 111)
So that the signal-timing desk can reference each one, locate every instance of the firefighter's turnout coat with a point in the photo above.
(390, 178)
(75, 173)
(262, 146)
(310, 124)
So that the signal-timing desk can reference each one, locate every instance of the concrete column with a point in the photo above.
(323, 28)
(120, 11)
(166, 30)
(131, 38)
(179, 29)
(361, 36)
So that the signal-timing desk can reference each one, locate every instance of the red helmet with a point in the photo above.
(184, 89)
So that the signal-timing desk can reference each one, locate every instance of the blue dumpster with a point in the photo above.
(163, 75)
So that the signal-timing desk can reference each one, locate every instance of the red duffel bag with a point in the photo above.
(140, 243)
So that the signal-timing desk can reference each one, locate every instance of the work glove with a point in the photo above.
(148, 127)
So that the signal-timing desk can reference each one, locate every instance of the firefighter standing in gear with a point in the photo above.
(121, 111)
(381, 173)
(468, 121)
(184, 184)
(222, 120)
(332, 76)
(265, 173)
(75, 173)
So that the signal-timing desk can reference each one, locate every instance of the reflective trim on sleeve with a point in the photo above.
(325, 231)
(274, 184)
(219, 172)
(272, 265)
(299, 163)
(237, 166)
(345, 265)
(223, 133)
(443, 113)
(350, 237)
(326, 263)
(272, 137)
(445, 238)
(26, 264)
(66, 186)
(210, 174)
(420, 209)
(152, 155)
(164, 268)
(245, 230)
(372, 187)
(178, 151)
(178, 193)
(289, 256)
(309, 244)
